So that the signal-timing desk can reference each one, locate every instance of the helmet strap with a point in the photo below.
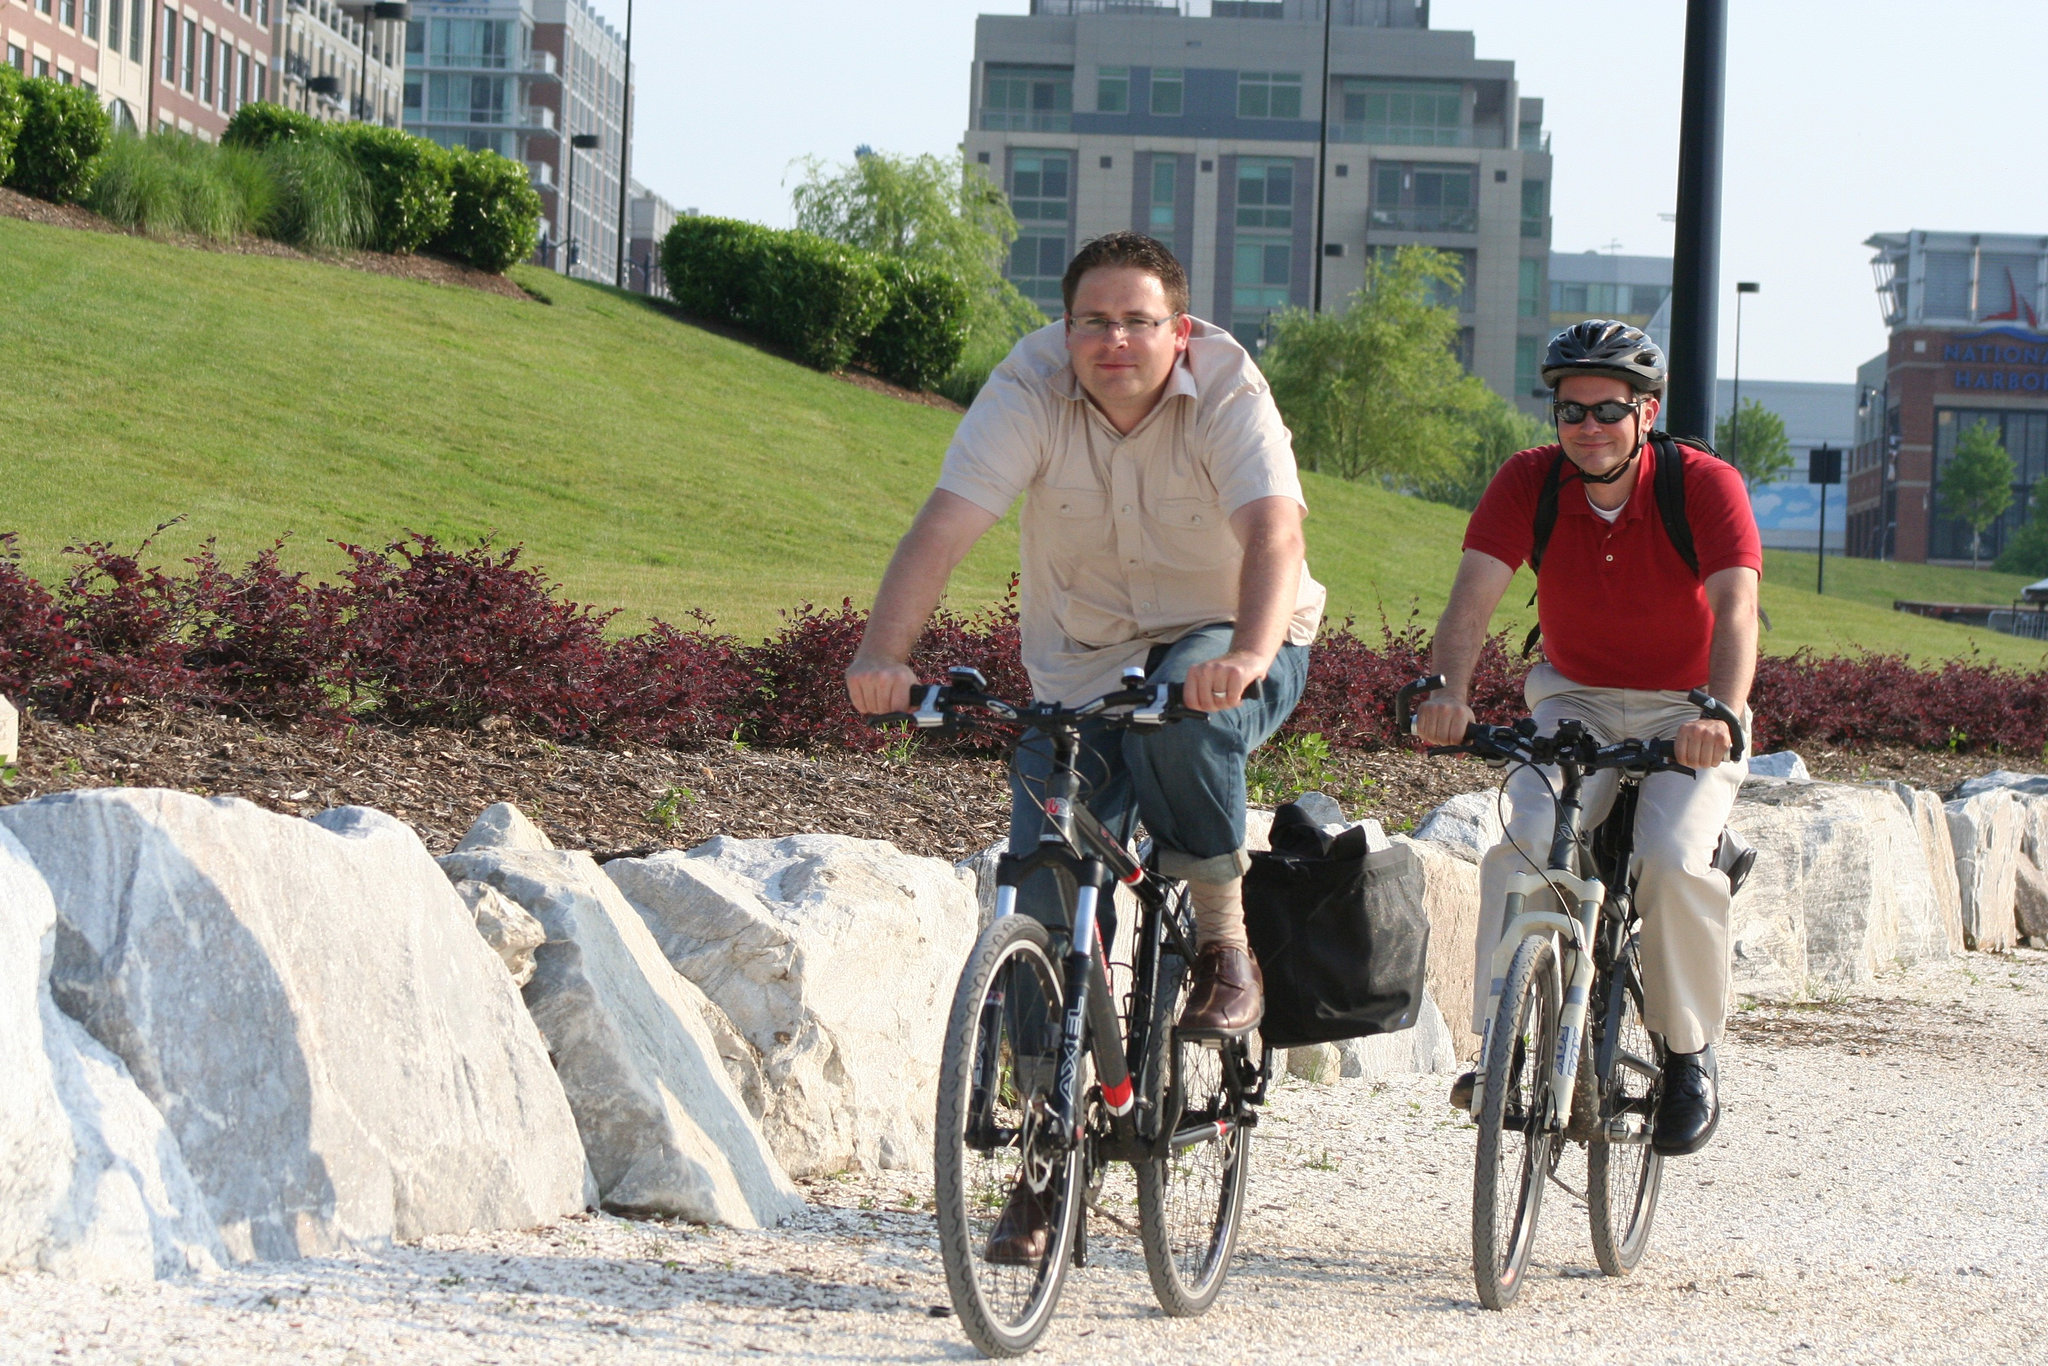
(1619, 470)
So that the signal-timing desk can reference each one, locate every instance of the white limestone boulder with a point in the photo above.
(1451, 899)
(1783, 766)
(93, 1186)
(665, 1127)
(341, 1059)
(836, 958)
(1931, 930)
(1988, 829)
(1467, 825)
(10, 732)
(2030, 907)
(512, 934)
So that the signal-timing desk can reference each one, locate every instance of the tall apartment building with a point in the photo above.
(1199, 123)
(339, 63)
(1967, 347)
(103, 45)
(211, 57)
(1595, 284)
(500, 74)
(648, 219)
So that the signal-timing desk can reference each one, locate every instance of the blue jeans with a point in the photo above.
(1185, 780)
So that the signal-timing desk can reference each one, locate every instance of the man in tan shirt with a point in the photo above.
(1161, 528)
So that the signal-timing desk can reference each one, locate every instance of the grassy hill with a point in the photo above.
(645, 463)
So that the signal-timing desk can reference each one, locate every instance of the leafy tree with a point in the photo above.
(1976, 484)
(2027, 551)
(1496, 431)
(1377, 389)
(1753, 440)
(933, 210)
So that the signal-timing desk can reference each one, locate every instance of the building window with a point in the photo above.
(89, 25)
(1529, 137)
(114, 32)
(206, 70)
(412, 94)
(1112, 89)
(1262, 269)
(1462, 349)
(1039, 186)
(1529, 296)
(2025, 438)
(169, 48)
(17, 57)
(136, 22)
(186, 51)
(1414, 113)
(1165, 181)
(241, 79)
(1602, 300)
(1268, 95)
(1166, 92)
(1528, 359)
(1033, 99)
(1533, 208)
(1265, 193)
(1416, 197)
(67, 13)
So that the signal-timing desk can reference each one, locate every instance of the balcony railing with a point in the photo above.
(1397, 135)
(1427, 219)
(541, 173)
(1002, 120)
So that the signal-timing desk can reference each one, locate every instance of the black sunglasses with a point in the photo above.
(1606, 414)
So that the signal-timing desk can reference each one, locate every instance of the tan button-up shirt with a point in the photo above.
(1126, 540)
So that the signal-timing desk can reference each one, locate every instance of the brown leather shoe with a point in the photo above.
(1228, 995)
(1023, 1230)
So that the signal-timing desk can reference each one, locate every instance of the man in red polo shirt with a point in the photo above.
(1628, 629)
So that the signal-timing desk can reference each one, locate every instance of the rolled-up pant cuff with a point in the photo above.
(1217, 868)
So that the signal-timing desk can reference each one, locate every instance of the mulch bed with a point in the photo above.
(615, 800)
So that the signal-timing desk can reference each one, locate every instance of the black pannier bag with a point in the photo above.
(1340, 934)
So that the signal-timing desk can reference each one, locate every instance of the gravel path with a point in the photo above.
(1878, 1191)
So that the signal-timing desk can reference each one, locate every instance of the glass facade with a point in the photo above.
(1412, 113)
(1029, 99)
(1418, 197)
(1165, 183)
(1041, 188)
(2025, 438)
(1269, 94)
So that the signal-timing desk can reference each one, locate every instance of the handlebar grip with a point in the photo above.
(1404, 711)
(1713, 710)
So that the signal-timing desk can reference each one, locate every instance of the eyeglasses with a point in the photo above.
(1606, 414)
(1096, 327)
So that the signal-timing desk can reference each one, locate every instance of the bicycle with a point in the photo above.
(1550, 967)
(1033, 1014)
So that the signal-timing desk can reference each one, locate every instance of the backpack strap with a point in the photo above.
(1669, 485)
(1546, 522)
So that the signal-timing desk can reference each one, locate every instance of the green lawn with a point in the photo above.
(645, 463)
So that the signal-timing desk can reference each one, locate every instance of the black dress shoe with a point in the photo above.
(1023, 1230)
(1690, 1105)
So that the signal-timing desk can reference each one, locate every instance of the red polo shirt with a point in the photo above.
(1619, 607)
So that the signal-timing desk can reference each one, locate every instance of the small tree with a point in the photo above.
(1496, 431)
(1976, 483)
(1377, 389)
(1753, 440)
(2027, 551)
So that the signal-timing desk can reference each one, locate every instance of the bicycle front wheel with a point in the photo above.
(1191, 1197)
(1514, 1144)
(994, 1148)
(1623, 1174)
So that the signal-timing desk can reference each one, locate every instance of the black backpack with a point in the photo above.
(1668, 483)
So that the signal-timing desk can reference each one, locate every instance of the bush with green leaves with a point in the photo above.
(815, 299)
(920, 339)
(410, 191)
(170, 183)
(321, 202)
(10, 119)
(63, 129)
(495, 218)
(259, 123)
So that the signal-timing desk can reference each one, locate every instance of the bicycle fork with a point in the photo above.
(1573, 936)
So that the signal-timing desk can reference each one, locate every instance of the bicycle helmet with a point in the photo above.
(1601, 346)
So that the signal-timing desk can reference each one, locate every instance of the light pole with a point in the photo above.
(580, 142)
(1735, 407)
(1695, 246)
(625, 280)
(1322, 153)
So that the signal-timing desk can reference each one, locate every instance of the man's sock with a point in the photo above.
(1219, 913)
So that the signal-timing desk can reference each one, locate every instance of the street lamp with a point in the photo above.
(625, 142)
(1735, 408)
(580, 142)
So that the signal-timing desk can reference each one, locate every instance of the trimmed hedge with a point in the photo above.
(260, 123)
(410, 189)
(10, 119)
(62, 130)
(494, 218)
(823, 302)
(920, 339)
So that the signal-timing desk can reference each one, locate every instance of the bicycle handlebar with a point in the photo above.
(1151, 704)
(1521, 741)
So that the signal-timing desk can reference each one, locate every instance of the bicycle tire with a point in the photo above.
(1514, 1150)
(1191, 1201)
(1622, 1179)
(1006, 1011)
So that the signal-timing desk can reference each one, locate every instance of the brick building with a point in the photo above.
(102, 45)
(208, 58)
(1967, 347)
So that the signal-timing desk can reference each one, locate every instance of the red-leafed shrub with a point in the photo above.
(1349, 696)
(668, 686)
(35, 643)
(1873, 699)
(262, 641)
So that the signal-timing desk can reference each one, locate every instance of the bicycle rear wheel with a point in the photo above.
(1191, 1200)
(997, 1073)
(1623, 1177)
(1515, 1148)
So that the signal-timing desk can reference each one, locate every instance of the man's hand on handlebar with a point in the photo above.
(1219, 684)
(879, 686)
(1701, 744)
(1443, 719)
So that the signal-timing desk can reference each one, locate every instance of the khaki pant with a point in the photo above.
(1681, 897)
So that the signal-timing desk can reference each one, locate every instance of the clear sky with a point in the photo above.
(1844, 118)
